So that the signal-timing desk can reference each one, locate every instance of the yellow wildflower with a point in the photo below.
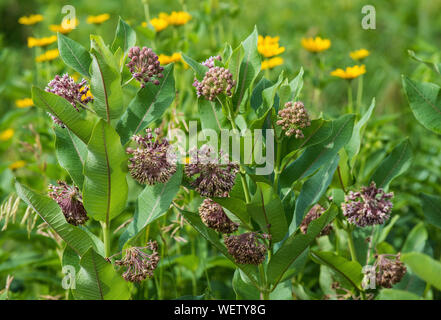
(32, 19)
(271, 63)
(98, 19)
(42, 42)
(176, 18)
(17, 165)
(359, 54)
(48, 55)
(24, 103)
(316, 45)
(350, 72)
(158, 23)
(175, 57)
(65, 27)
(7, 134)
(86, 95)
(269, 46)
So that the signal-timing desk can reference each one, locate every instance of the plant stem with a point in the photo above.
(359, 93)
(341, 180)
(350, 106)
(146, 10)
(351, 245)
(277, 168)
(106, 237)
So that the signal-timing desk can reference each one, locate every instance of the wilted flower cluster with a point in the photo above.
(70, 201)
(246, 248)
(313, 214)
(293, 118)
(66, 87)
(217, 80)
(140, 265)
(144, 65)
(389, 271)
(151, 162)
(213, 216)
(213, 177)
(367, 207)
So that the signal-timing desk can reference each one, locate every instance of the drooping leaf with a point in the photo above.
(424, 267)
(74, 55)
(432, 209)
(211, 115)
(296, 85)
(125, 37)
(416, 239)
(198, 68)
(105, 185)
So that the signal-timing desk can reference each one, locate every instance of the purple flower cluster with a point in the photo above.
(66, 87)
(144, 65)
(212, 178)
(217, 80)
(213, 216)
(151, 161)
(313, 214)
(70, 201)
(389, 271)
(293, 118)
(140, 265)
(367, 207)
(246, 248)
(210, 61)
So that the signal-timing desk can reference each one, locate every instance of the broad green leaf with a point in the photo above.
(312, 190)
(395, 164)
(105, 81)
(236, 206)
(394, 294)
(435, 66)
(125, 37)
(416, 240)
(198, 68)
(98, 280)
(63, 110)
(211, 115)
(266, 209)
(296, 85)
(256, 99)
(425, 102)
(350, 270)
(153, 203)
(424, 267)
(210, 235)
(51, 213)
(295, 245)
(71, 154)
(317, 155)
(432, 209)
(105, 185)
(246, 291)
(74, 55)
(148, 105)
(353, 146)
(235, 61)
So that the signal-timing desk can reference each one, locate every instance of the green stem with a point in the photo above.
(350, 105)
(106, 237)
(351, 245)
(146, 10)
(277, 170)
(359, 93)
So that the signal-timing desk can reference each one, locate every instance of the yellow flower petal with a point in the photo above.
(157, 23)
(17, 165)
(7, 134)
(316, 44)
(359, 54)
(24, 103)
(271, 63)
(41, 42)
(269, 46)
(48, 55)
(350, 72)
(29, 20)
(98, 19)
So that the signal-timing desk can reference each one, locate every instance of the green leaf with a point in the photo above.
(153, 203)
(296, 85)
(198, 68)
(424, 100)
(74, 55)
(296, 244)
(394, 294)
(71, 154)
(51, 213)
(105, 81)
(312, 191)
(432, 209)
(148, 105)
(210, 235)
(434, 66)
(97, 280)
(211, 115)
(105, 185)
(63, 110)
(395, 164)
(317, 155)
(350, 270)
(266, 209)
(246, 291)
(424, 267)
(125, 37)
(416, 240)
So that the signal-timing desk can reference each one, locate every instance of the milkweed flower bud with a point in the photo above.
(151, 161)
(214, 217)
(217, 81)
(140, 265)
(144, 65)
(213, 177)
(293, 118)
(66, 87)
(367, 207)
(389, 271)
(70, 201)
(246, 248)
(313, 214)
(210, 61)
